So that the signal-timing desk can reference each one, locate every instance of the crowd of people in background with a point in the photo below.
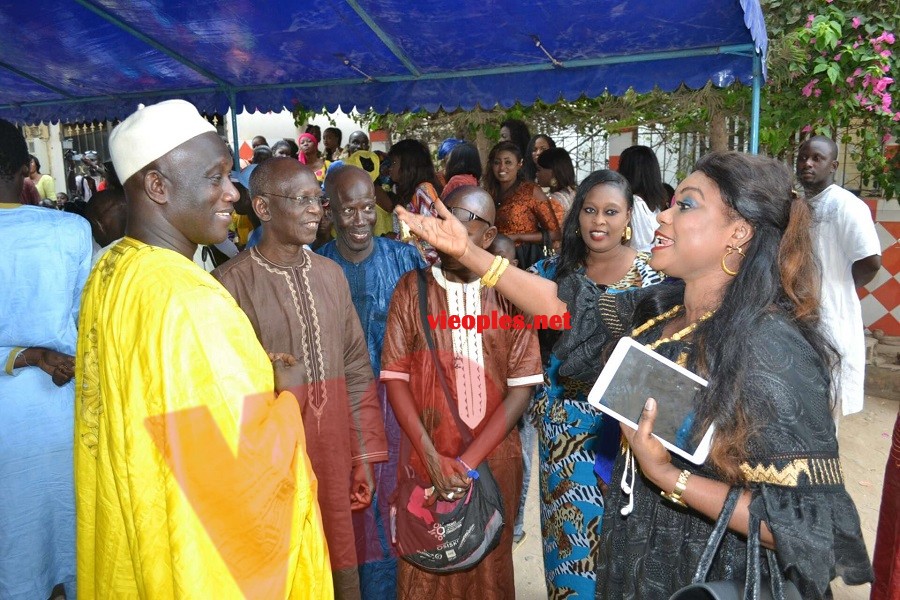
(188, 306)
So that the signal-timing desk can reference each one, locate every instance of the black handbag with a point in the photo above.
(448, 536)
(756, 586)
(528, 253)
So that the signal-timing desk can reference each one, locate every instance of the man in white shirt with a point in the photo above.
(849, 254)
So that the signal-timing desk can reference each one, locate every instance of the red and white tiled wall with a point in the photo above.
(880, 299)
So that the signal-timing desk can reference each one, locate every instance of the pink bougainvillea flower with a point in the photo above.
(817, 92)
(855, 45)
(885, 36)
(850, 80)
(881, 84)
(808, 88)
(885, 53)
(857, 72)
(837, 57)
(886, 138)
(886, 103)
(856, 22)
(806, 129)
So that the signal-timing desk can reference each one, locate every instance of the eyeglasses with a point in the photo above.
(466, 215)
(302, 201)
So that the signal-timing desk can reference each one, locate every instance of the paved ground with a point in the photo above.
(865, 439)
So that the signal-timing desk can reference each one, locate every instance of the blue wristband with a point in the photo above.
(469, 470)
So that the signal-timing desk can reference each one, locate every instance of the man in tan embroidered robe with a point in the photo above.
(300, 307)
(491, 376)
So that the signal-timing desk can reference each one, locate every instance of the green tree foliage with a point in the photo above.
(831, 71)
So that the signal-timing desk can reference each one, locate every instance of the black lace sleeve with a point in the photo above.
(597, 317)
(793, 466)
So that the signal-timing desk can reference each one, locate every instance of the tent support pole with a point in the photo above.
(232, 104)
(754, 110)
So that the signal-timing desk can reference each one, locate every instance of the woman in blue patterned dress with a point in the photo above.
(577, 445)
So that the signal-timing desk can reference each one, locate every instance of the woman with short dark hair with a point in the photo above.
(286, 148)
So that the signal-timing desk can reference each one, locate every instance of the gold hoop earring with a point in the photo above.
(626, 235)
(732, 250)
(553, 182)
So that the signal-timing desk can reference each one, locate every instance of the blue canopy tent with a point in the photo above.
(80, 60)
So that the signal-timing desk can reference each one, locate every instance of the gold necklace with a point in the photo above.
(663, 317)
(677, 336)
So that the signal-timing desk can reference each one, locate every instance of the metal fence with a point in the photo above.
(677, 152)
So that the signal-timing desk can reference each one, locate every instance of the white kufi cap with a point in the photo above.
(153, 131)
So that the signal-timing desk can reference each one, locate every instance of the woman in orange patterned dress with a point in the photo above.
(524, 211)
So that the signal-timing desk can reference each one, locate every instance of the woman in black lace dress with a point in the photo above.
(745, 316)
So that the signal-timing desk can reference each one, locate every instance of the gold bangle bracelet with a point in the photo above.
(680, 487)
(500, 270)
(489, 273)
(495, 273)
(486, 278)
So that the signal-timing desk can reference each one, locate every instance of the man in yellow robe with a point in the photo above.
(192, 478)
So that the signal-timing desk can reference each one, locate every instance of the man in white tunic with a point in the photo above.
(849, 254)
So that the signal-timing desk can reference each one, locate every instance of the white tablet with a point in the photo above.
(635, 373)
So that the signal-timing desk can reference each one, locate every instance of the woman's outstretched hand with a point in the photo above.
(446, 234)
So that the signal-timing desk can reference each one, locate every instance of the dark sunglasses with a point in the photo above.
(467, 215)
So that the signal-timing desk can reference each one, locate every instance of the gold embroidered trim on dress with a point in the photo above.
(317, 391)
(818, 471)
(609, 315)
(91, 401)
